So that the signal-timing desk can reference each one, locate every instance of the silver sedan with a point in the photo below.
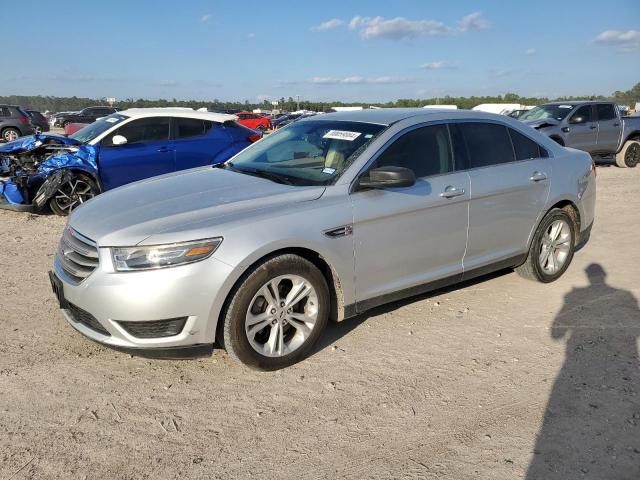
(322, 220)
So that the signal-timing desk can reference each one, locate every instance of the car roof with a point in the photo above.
(577, 102)
(389, 116)
(176, 112)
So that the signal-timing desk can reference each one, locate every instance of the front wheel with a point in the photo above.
(629, 155)
(276, 314)
(552, 248)
(72, 193)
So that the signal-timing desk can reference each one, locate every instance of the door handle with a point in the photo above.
(451, 192)
(164, 150)
(616, 124)
(538, 176)
(592, 127)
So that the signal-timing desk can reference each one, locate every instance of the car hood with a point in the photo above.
(172, 207)
(542, 123)
(31, 142)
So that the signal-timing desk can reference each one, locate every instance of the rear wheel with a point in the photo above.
(276, 314)
(552, 248)
(629, 155)
(73, 193)
(10, 134)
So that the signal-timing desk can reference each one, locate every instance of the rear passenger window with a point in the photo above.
(605, 111)
(524, 147)
(189, 127)
(424, 150)
(487, 143)
(4, 112)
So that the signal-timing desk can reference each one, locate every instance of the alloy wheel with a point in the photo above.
(10, 135)
(281, 315)
(72, 193)
(632, 155)
(555, 247)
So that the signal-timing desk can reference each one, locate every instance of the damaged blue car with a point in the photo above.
(61, 173)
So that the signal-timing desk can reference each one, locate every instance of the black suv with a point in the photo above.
(14, 122)
(87, 115)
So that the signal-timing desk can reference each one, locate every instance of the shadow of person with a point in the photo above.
(591, 428)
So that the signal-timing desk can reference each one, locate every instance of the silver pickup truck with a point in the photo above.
(594, 127)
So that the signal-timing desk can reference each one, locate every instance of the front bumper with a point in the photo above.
(193, 291)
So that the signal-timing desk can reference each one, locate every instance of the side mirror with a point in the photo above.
(578, 119)
(119, 140)
(388, 177)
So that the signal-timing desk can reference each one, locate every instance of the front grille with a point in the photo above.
(156, 328)
(77, 254)
(85, 318)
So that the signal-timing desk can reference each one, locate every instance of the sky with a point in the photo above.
(322, 50)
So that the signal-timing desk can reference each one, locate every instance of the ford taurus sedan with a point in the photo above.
(322, 220)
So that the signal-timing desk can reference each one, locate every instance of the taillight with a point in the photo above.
(255, 137)
(23, 120)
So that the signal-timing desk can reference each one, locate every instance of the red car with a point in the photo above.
(71, 128)
(253, 120)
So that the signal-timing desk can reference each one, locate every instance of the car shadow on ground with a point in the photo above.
(591, 427)
(337, 330)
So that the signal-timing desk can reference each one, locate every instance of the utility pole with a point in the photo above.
(298, 102)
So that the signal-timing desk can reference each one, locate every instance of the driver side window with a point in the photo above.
(144, 130)
(425, 150)
(586, 112)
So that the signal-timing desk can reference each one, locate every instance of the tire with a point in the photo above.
(629, 155)
(85, 189)
(10, 133)
(254, 335)
(66, 123)
(538, 265)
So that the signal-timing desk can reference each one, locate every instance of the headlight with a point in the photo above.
(161, 256)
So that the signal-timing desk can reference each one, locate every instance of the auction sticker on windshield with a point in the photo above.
(342, 135)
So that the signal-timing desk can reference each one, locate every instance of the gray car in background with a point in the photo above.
(14, 122)
(324, 219)
(595, 127)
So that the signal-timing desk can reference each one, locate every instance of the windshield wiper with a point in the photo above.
(274, 177)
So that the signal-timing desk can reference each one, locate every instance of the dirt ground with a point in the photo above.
(497, 379)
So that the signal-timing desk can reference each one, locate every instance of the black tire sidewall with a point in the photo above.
(234, 319)
(553, 215)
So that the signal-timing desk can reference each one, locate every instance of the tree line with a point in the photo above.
(60, 104)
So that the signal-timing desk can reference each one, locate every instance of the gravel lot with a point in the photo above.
(497, 379)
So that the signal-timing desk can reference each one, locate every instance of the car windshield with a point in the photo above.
(88, 133)
(306, 152)
(559, 112)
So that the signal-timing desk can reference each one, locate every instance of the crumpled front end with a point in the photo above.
(33, 168)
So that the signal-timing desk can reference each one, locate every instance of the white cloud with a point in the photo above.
(397, 28)
(328, 25)
(530, 51)
(628, 41)
(473, 21)
(359, 80)
(437, 66)
(205, 18)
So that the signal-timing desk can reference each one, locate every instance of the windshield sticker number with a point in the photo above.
(566, 106)
(342, 135)
(111, 120)
(328, 170)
